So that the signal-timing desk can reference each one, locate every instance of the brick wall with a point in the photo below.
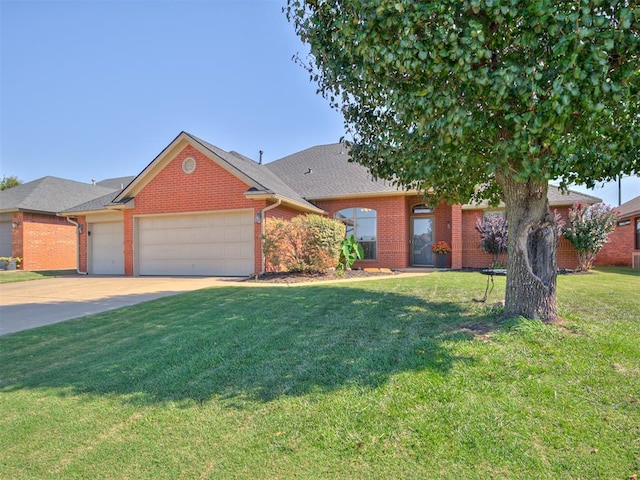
(83, 264)
(392, 228)
(285, 213)
(456, 237)
(45, 242)
(620, 247)
(394, 215)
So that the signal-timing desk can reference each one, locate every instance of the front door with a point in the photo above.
(421, 241)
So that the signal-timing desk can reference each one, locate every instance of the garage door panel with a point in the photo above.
(208, 244)
(107, 250)
(6, 239)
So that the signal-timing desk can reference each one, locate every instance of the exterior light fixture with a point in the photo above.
(15, 224)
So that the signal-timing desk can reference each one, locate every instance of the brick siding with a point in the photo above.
(44, 242)
(392, 225)
(620, 247)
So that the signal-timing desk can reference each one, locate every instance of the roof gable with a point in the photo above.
(257, 177)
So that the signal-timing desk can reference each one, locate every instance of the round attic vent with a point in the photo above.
(188, 165)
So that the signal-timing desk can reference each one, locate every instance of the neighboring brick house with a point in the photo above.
(623, 247)
(30, 228)
(199, 210)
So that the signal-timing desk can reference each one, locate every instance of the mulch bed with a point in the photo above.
(296, 277)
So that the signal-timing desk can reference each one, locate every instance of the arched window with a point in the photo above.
(361, 223)
(421, 208)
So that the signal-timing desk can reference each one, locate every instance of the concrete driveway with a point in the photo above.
(31, 304)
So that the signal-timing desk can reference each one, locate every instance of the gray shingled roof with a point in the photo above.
(262, 176)
(630, 208)
(99, 203)
(117, 183)
(324, 172)
(49, 195)
(556, 199)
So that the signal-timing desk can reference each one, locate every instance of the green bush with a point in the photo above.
(307, 243)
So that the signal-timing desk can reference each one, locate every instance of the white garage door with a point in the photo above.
(5, 239)
(196, 244)
(107, 251)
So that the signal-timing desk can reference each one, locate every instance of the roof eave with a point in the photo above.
(404, 193)
(28, 210)
(9, 210)
(125, 204)
(80, 213)
(628, 215)
(269, 195)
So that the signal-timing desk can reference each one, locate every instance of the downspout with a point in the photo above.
(262, 227)
(78, 231)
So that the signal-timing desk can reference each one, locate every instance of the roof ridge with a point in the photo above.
(222, 154)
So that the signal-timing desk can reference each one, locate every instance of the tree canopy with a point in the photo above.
(443, 95)
(8, 182)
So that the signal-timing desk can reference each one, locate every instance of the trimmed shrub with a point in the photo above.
(308, 243)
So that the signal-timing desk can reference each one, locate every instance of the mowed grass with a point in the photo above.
(395, 378)
(23, 276)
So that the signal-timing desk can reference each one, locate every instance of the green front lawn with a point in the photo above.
(23, 276)
(395, 378)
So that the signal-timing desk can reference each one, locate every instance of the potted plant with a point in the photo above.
(441, 249)
(9, 263)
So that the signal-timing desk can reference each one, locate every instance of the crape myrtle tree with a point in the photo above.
(485, 99)
(588, 230)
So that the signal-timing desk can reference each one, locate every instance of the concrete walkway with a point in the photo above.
(31, 304)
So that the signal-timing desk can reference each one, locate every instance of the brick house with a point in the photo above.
(199, 210)
(30, 227)
(623, 247)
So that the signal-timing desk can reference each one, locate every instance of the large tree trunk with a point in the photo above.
(531, 269)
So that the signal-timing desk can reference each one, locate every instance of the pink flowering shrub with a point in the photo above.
(588, 229)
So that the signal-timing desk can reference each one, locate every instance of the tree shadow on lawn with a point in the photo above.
(243, 344)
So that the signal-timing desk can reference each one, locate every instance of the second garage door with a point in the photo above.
(107, 252)
(198, 244)
(6, 233)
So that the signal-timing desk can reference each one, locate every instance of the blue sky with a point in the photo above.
(96, 89)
